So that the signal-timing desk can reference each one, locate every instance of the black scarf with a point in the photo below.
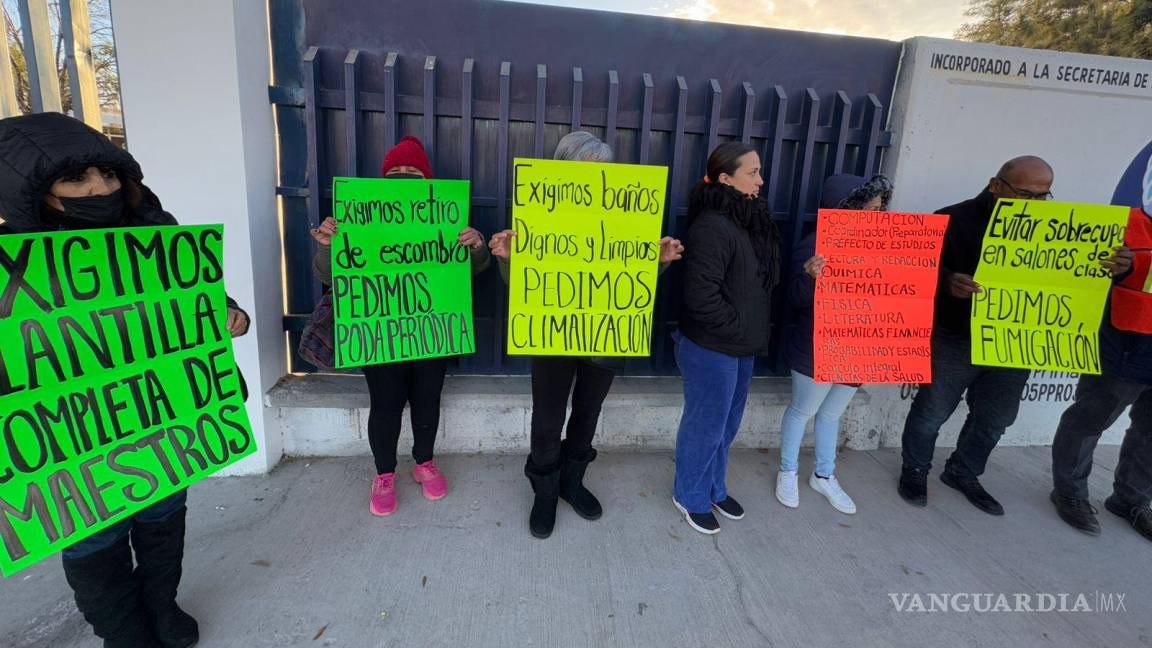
(750, 213)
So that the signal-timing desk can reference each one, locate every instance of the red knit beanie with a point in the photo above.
(409, 151)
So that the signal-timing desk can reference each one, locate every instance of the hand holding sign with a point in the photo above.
(501, 244)
(237, 322)
(471, 238)
(1119, 262)
(1046, 269)
(325, 232)
(671, 249)
(814, 266)
(962, 286)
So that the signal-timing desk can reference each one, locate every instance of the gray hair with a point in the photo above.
(582, 146)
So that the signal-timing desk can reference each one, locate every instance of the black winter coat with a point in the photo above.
(726, 304)
(962, 244)
(35, 150)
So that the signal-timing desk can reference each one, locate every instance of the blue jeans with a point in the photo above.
(110, 535)
(993, 395)
(715, 392)
(827, 403)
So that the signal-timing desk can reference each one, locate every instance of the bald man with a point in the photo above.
(993, 393)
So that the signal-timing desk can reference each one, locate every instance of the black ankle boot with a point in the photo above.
(572, 488)
(108, 595)
(159, 553)
(545, 482)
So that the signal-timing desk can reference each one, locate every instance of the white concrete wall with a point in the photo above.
(194, 79)
(952, 130)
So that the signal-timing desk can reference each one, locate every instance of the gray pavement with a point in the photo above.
(295, 559)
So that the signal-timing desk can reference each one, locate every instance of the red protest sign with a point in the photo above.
(874, 298)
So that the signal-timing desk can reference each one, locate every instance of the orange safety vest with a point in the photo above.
(1132, 298)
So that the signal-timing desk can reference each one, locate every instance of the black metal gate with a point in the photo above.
(483, 82)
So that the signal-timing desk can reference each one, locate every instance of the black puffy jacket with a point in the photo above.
(726, 304)
(35, 150)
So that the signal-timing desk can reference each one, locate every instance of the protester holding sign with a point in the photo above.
(556, 468)
(825, 401)
(730, 269)
(57, 174)
(993, 393)
(417, 383)
(1126, 354)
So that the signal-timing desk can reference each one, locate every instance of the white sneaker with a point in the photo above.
(786, 489)
(830, 488)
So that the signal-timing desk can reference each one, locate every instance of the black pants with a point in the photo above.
(993, 401)
(417, 383)
(552, 382)
(1100, 400)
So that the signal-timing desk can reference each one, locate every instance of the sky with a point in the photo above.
(891, 19)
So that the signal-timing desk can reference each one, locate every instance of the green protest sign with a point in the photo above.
(401, 281)
(117, 382)
(1043, 289)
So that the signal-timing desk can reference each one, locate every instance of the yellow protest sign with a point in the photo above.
(1043, 287)
(585, 257)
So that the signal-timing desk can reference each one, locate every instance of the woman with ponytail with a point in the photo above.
(730, 268)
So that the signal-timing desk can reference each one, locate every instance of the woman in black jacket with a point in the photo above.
(56, 173)
(730, 268)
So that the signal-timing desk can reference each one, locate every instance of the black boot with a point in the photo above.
(913, 486)
(546, 484)
(572, 489)
(159, 553)
(108, 595)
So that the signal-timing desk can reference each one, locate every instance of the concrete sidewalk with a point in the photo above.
(295, 559)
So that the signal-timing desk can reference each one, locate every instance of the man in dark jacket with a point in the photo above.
(1126, 355)
(56, 173)
(993, 393)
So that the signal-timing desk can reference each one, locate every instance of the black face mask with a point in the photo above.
(93, 211)
(404, 176)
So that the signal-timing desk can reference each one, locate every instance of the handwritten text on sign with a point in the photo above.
(117, 381)
(1043, 288)
(874, 298)
(585, 257)
(401, 281)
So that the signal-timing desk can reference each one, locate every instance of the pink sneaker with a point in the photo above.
(384, 494)
(429, 476)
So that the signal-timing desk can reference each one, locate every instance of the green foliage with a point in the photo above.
(1109, 27)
